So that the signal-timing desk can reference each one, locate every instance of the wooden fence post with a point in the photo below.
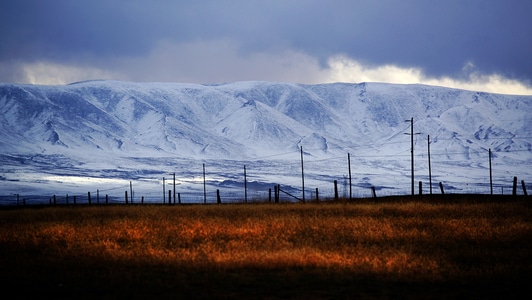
(89, 197)
(524, 187)
(67, 199)
(270, 195)
(106, 199)
(317, 196)
(179, 198)
(514, 190)
(142, 200)
(126, 197)
(218, 199)
(373, 192)
(441, 188)
(169, 197)
(74, 200)
(420, 188)
(335, 190)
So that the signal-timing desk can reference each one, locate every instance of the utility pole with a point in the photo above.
(245, 186)
(349, 166)
(302, 175)
(430, 173)
(412, 148)
(491, 174)
(204, 186)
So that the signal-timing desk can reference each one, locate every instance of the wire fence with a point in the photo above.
(275, 194)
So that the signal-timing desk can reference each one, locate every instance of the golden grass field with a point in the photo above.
(361, 249)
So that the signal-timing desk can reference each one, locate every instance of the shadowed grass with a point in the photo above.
(411, 249)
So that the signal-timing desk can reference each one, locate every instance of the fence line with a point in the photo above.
(284, 194)
(326, 186)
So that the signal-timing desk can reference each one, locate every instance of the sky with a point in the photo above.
(482, 45)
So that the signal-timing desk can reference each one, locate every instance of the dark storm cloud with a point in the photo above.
(439, 37)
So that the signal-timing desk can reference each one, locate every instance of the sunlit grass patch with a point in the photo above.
(182, 247)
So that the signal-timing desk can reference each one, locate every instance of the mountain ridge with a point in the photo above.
(93, 121)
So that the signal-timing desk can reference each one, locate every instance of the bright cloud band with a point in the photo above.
(221, 61)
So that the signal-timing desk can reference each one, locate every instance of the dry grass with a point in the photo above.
(373, 250)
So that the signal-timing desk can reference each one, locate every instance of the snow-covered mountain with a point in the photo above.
(138, 131)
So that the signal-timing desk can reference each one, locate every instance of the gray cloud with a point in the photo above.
(438, 37)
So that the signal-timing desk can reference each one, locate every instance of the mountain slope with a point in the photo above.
(110, 121)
